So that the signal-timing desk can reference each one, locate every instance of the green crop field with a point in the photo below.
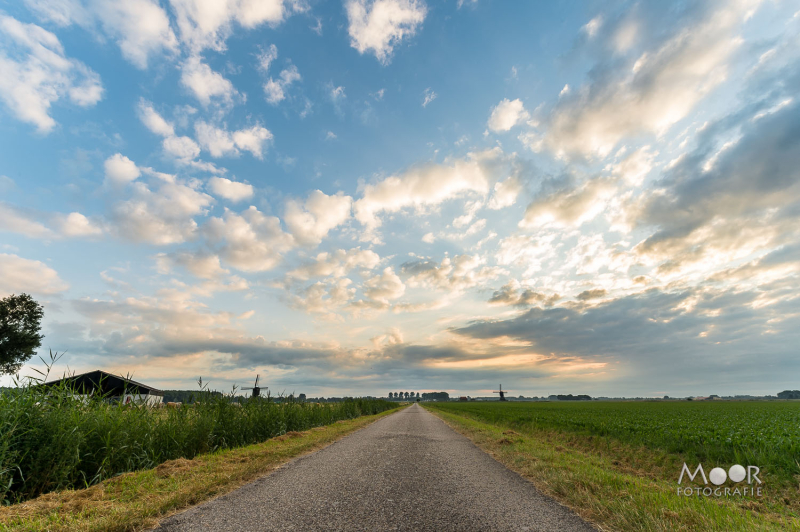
(762, 433)
(618, 463)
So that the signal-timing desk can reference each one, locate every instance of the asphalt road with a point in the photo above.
(408, 471)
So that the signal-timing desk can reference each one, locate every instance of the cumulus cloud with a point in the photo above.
(655, 85)
(505, 193)
(205, 84)
(275, 89)
(311, 221)
(208, 23)
(378, 26)
(203, 265)
(120, 170)
(249, 241)
(76, 224)
(140, 27)
(427, 185)
(454, 275)
(512, 293)
(163, 217)
(507, 114)
(37, 73)
(25, 275)
(381, 289)
(569, 207)
(230, 190)
(336, 264)
(154, 121)
(220, 142)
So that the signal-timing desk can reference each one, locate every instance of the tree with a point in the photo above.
(417, 395)
(20, 323)
(406, 396)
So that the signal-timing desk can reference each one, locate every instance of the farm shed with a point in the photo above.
(112, 387)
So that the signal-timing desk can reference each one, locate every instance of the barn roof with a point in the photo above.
(105, 383)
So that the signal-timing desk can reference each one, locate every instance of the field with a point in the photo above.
(52, 441)
(587, 453)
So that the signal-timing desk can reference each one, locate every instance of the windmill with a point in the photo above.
(255, 387)
(502, 393)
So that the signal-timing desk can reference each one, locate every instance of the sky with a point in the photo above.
(361, 197)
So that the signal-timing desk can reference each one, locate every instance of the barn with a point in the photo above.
(110, 386)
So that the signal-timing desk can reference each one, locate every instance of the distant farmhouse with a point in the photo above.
(110, 386)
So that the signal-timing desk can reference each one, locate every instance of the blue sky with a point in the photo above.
(358, 197)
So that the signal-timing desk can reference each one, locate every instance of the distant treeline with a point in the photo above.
(570, 397)
(789, 394)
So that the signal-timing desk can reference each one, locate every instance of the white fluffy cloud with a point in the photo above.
(336, 264)
(220, 142)
(76, 224)
(311, 221)
(570, 207)
(182, 148)
(250, 241)
(505, 193)
(140, 27)
(24, 275)
(275, 89)
(378, 26)
(37, 73)
(383, 288)
(507, 114)
(207, 23)
(163, 217)
(230, 190)
(120, 170)
(154, 121)
(206, 84)
(425, 186)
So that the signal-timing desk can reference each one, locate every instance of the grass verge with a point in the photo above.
(622, 487)
(138, 500)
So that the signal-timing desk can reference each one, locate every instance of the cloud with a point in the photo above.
(37, 73)
(230, 190)
(120, 170)
(512, 294)
(140, 27)
(380, 25)
(203, 265)
(220, 142)
(76, 224)
(163, 217)
(205, 84)
(653, 86)
(429, 96)
(453, 275)
(266, 57)
(426, 185)
(505, 193)
(336, 264)
(507, 114)
(249, 241)
(31, 276)
(594, 293)
(570, 207)
(14, 220)
(208, 23)
(275, 90)
(381, 289)
(154, 121)
(182, 148)
(311, 221)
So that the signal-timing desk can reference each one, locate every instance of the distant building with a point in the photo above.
(463, 398)
(110, 386)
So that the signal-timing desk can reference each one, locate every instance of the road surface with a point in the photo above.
(407, 471)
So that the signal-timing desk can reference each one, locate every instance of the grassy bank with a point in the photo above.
(50, 440)
(136, 501)
(617, 483)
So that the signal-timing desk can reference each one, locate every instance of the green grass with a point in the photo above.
(52, 441)
(137, 501)
(617, 463)
(761, 433)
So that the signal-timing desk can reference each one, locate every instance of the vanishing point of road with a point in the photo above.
(407, 471)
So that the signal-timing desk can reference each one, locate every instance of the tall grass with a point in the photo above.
(50, 440)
